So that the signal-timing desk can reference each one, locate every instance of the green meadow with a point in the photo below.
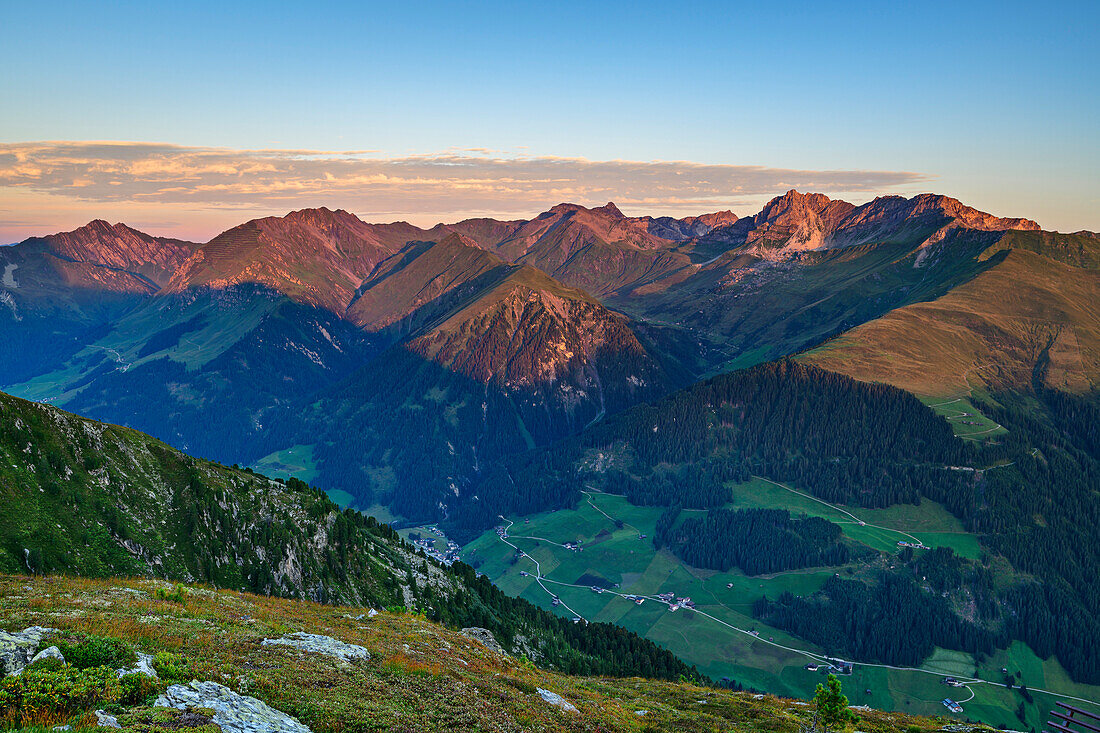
(929, 522)
(297, 461)
(718, 643)
(964, 418)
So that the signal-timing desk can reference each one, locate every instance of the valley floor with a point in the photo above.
(605, 543)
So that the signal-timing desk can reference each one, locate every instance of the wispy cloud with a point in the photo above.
(215, 184)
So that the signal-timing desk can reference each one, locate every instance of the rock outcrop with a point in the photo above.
(234, 713)
(144, 666)
(104, 720)
(49, 653)
(18, 649)
(485, 637)
(557, 701)
(320, 645)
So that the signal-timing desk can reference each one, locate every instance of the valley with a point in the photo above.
(719, 633)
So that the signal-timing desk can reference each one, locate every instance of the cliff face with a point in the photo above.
(525, 330)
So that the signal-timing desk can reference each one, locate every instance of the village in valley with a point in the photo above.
(431, 544)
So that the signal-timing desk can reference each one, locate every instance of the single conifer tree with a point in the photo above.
(831, 705)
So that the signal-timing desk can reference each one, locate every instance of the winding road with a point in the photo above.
(969, 393)
(856, 519)
(816, 657)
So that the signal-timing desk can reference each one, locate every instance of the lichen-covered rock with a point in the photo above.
(106, 721)
(485, 637)
(232, 712)
(321, 645)
(49, 653)
(144, 666)
(18, 649)
(557, 701)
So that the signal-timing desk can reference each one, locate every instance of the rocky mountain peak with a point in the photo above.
(795, 204)
(967, 215)
(117, 246)
(610, 209)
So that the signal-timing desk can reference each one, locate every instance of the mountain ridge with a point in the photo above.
(556, 321)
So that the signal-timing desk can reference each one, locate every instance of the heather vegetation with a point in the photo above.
(416, 675)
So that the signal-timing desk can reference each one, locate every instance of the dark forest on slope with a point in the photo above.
(867, 445)
(755, 540)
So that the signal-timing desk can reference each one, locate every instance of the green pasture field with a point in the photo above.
(965, 419)
(296, 461)
(929, 522)
(611, 555)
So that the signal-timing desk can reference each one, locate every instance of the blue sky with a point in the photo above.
(994, 103)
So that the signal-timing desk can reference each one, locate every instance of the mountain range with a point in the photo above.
(913, 357)
(443, 349)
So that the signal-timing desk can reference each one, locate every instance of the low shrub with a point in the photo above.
(165, 720)
(40, 695)
(137, 689)
(402, 664)
(521, 685)
(172, 667)
(177, 593)
(97, 651)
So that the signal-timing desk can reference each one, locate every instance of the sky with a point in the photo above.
(187, 118)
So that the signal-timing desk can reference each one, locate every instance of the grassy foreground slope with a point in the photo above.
(419, 677)
(1035, 312)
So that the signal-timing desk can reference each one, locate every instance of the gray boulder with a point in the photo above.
(103, 720)
(234, 713)
(321, 645)
(18, 649)
(557, 701)
(144, 666)
(485, 637)
(49, 653)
